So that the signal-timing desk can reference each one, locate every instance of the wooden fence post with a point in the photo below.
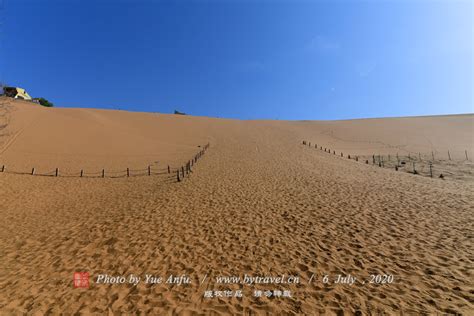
(32, 171)
(414, 169)
(149, 170)
(128, 172)
(82, 172)
(103, 173)
(182, 170)
(57, 172)
(177, 175)
(169, 171)
(465, 151)
(3, 168)
(342, 155)
(449, 155)
(431, 170)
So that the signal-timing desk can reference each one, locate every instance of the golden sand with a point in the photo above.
(258, 203)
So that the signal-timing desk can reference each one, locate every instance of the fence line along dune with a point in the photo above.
(259, 203)
(427, 164)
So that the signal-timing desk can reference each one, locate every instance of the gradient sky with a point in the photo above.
(244, 59)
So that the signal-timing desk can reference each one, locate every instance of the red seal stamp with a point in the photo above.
(81, 279)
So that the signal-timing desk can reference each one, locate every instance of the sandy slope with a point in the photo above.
(258, 203)
(72, 139)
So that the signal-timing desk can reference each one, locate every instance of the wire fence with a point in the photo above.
(431, 164)
(187, 168)
(178, 173)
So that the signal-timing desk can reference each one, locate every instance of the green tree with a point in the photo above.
(45, 102)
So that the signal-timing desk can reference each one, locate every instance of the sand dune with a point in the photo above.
(258, 203)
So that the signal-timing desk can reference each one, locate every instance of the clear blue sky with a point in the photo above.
(244, 59)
